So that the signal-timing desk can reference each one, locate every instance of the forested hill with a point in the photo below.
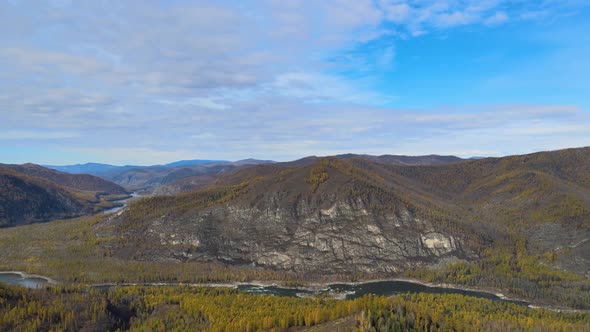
(356, 214)
(519, 224)
(31, 193)
(84, 182)
(516, 225)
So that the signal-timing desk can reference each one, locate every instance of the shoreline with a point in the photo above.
(318, 286)
(123, 203)
(27, 275)
(314, 287)
(324, 286)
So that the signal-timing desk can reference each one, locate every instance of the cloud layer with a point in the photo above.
(150, 82)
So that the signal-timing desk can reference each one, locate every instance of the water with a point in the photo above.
(17, 280)
(125, 202)
(338, 291)
(384, 288)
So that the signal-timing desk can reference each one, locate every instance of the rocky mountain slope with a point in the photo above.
(31, 193)
(355, 214)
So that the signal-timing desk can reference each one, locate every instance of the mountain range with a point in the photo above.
(146, 178)
(188, 175)
(520, 224)
(362, 214)
(33, 193)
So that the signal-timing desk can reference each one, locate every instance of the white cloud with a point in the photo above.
(396, 12)
(39, 134)
(454, 18)
(496, 18)
(157, 82)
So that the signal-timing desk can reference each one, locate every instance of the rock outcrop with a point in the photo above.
(288, 223)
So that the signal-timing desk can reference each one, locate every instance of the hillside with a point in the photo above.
(346, 213)
(84, 182)
(516, 218)
(190, 175)
(31, 193)
(516, 225)
(317, 217)
(146, 179)
(406, 160)
(199, 181)
(171, 176)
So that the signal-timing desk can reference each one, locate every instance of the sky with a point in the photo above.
(150, 82)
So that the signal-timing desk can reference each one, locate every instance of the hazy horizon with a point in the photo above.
(288, 160)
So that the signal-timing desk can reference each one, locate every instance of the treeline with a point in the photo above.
(54, 309)
(517, 273)
(451, 312)
(221, 309)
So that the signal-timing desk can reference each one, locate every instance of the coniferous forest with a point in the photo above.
(138, 308)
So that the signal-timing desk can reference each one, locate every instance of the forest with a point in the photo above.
(182, 308)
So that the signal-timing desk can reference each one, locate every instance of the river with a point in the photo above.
(337, 290)
(355, 290)
(23, 280)
(124, 201)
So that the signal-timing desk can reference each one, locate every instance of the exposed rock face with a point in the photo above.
(439, 244)
(354, 214)
(344, 236)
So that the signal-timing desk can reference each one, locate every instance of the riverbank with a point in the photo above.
(121, 203)
(24, 275)
(323, 287)
(326, 285)
(330, 289)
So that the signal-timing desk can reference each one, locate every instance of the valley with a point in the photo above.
(31, 193)
(295, 166)
(339, 227)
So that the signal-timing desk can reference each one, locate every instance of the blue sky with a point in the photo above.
(148, 82)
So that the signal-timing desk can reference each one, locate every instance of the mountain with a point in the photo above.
(195, 162)
(84, 182)
(356, 214)
(252, 161)
(88, 168)
(189, 175)
(519, 225)
(406, 160)
(31, 193)
(199, 181)
(148, 178)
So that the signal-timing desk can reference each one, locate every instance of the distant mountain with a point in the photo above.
(30, 193)
(188, 175)
(204, 179)
(195, 162)
(252, 162)
(147, 178)
(88, 168)
(406, 160)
